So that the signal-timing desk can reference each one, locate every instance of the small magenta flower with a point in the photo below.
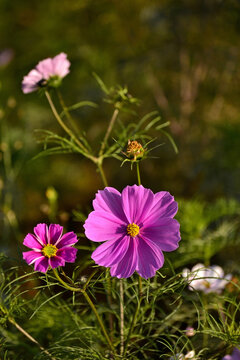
(235, 355)
(48, 72)
(136, 225)
(50, 248)
(206, 279)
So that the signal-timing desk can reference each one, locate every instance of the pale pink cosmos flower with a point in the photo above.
(49, 71)
(49, 247)
(137, 226)
(206, 279)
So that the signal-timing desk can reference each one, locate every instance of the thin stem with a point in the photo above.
(138, 174)
(62, 124)
(102, 173)
(121, 316)
(67, 113)
(99, 320)
(71, 288)
(205, 336)
(25, 333)
(90, 304)
(109, 129)
(134, 316)
(109, 300)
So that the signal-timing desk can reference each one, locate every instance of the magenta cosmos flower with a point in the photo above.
(49, 247)
(49, 72)
(136, 225)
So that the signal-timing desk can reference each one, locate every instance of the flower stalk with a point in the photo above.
(109, 130)
(90, 303)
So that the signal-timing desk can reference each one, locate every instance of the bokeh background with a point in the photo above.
(178, 57)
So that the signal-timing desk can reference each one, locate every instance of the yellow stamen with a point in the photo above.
(49, 250)
(133, 229)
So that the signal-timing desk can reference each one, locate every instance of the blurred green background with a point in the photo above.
(179, 57)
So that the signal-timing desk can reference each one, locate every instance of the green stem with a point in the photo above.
(205, 336)
(109, 130)
(138, 174)
(62, 124)
(67, 113)
(27, 335)
(102, 173)
(121, 316)
(74, 289)
(134, 316)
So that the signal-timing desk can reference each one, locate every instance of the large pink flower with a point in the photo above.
(49, 247)
(136, 225)
(49, 71)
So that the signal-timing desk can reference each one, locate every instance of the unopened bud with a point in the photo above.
(135, 150)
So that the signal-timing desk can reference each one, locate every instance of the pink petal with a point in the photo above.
(54, 233)
(32, 242)
(150, 258)
(42, 265)
(31, 256)
(45, 67)
(102, 226)
(110, 200)
(60, 65)
(68, 254)
(137, 202)
(67, 239)
(126, 267)
(30, 82)
(164, 234)
(41, 232)
(111, 252)
(162, 206)
(56, 261)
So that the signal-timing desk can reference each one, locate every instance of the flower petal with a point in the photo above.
(31, 242)
(164, 234)
(68, 239)
(60, 65)
(42, 265)
(150, 258)
(136, 202)
(126, 267)
(45, 67)
(110, 201)
(111, 252)
(41, 232)
(102, 226)
(162, 206)
(31, 256)
(56, 261)
(30, 82)
(54, 233)
(68, 254)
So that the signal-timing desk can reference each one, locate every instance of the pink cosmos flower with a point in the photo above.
(136, 225)
(49, 247)
(49, 71)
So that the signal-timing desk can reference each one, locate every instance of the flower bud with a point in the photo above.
(135, 151)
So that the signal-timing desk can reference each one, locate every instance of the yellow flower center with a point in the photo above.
(133, 229)
(49, 250)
